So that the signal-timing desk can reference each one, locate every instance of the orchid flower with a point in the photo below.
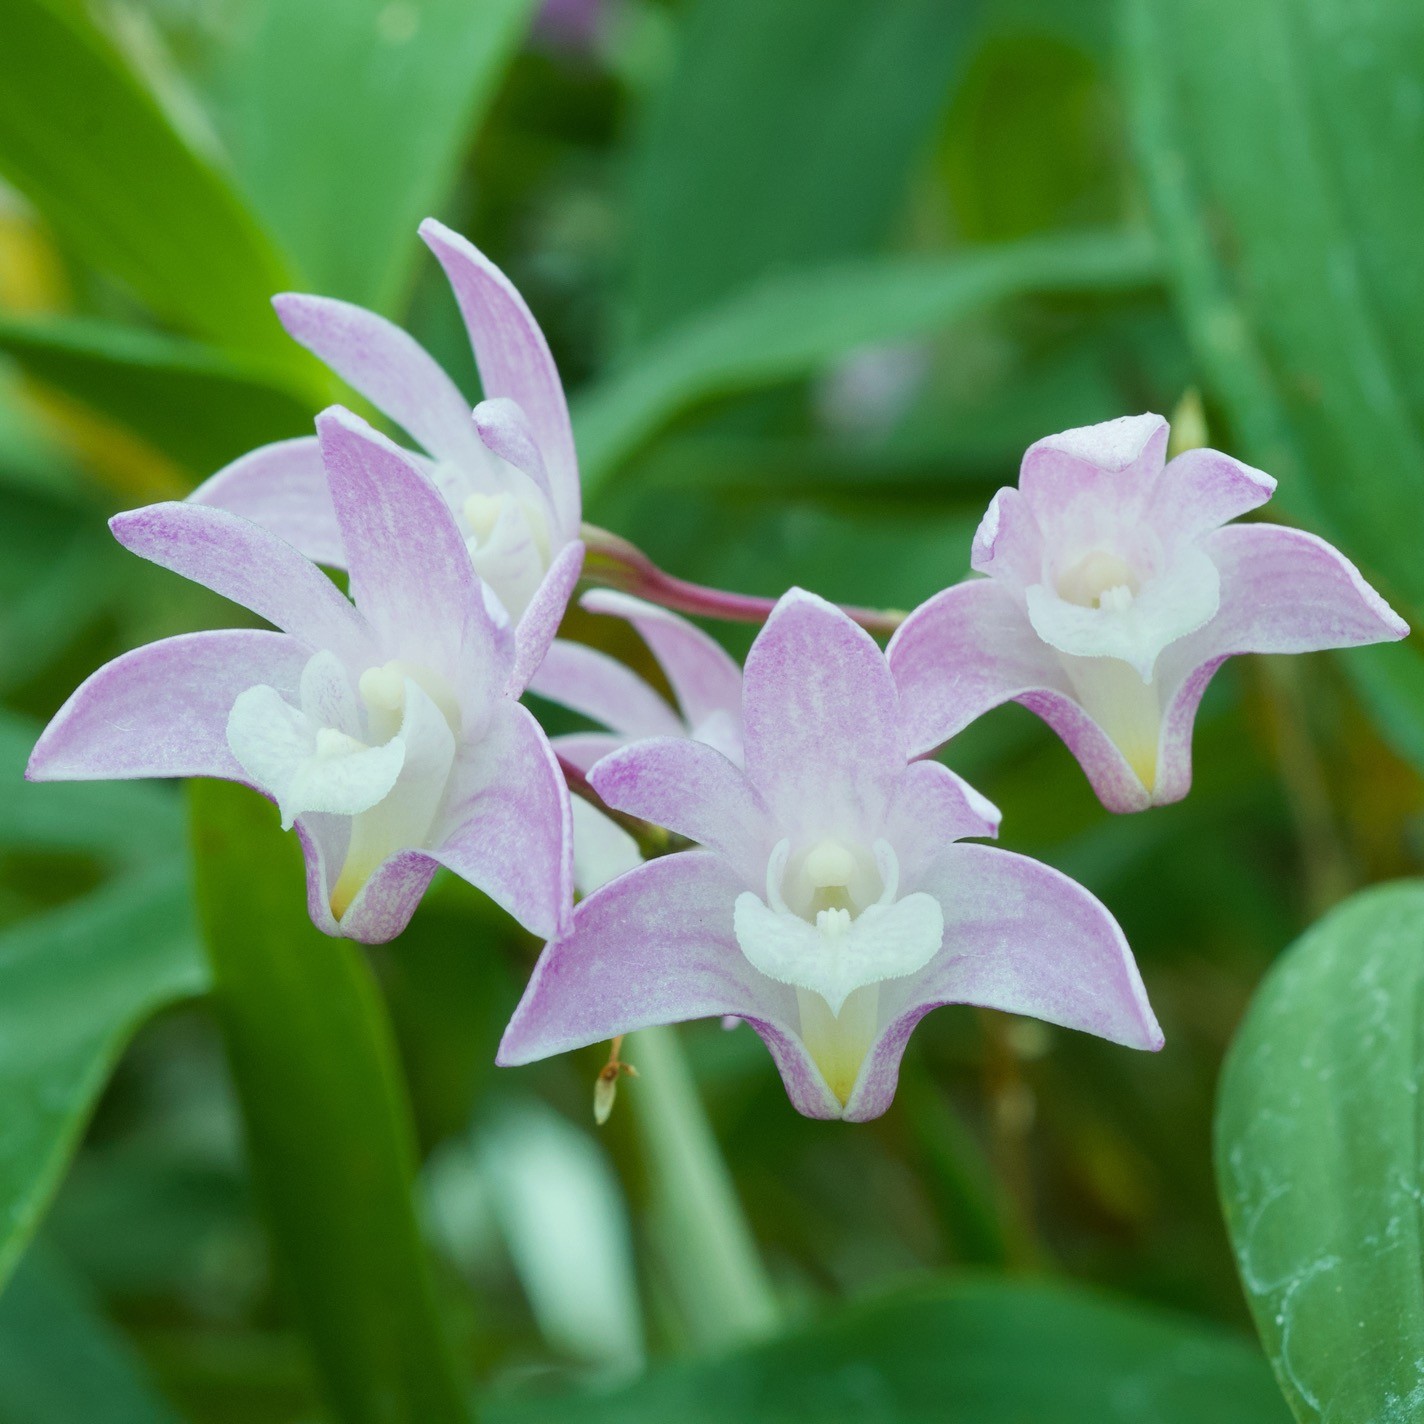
(387, 730)
(828, 903)
(510, 473)
(704, 678)
(1115, 589)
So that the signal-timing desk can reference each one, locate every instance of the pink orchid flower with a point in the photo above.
(1115, 588)
(509, 473)
(829, 903)
(387, 729)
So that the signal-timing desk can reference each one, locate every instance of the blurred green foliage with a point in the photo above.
(816, 274)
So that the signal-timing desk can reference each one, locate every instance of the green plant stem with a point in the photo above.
(701, 1236)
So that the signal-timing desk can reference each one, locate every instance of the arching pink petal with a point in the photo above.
(1202, 489)
(513, 358)
(283, 488)
(507, 827)
(931, 807)
(821, 722)
(505, 430)
(248, 564)
(653, 947)
(584, 750)
(1116, 463)
(1008, 543)
(590, 682)
(410, 569)
(534, 633)
(704, 676)
(162, 709)
(1019, 937)
(390, 368)
(695, 791)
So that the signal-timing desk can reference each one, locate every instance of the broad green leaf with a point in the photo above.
(61, 1362)
(974, 1352)
(349, 119)
(198, 405)
(1319, 1161)
(789, 326)
(74, 985)
(785, 135)
(328, 1123)
(96, 155)
(1272, 137)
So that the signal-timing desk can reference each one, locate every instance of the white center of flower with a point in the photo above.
(1100, 580)
(834, 926)
(508, 539)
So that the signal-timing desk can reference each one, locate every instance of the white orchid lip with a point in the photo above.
(832, 928)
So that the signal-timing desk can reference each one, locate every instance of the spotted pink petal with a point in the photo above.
(251, 566)
(162, 709)
(513, 358)
(283, 488)
(821, 721)
(390, 368)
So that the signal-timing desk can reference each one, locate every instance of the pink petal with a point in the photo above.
(584, 750)
(1282, 591)
(966, 650)
(534, 634)
(1019, 937)
(654, 946)
(603, 689)
(409, 565)
(251, 566)
(704, 676)
(694, 790)
(283, 488)
(930, 808)
(1112, 466)
(162, 710)
(506, 432)
(513, 358)
(1008, 543)
(821, 721)
(508, 829)
(390, 368)
(1202, 489)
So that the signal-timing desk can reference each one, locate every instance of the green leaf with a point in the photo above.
(328, 1123)
(790, 326)
(1319, 1160)
(61, 1362)
(198, 405)
(92, 150)
(972, 1351)
(785, 135)
(346, 183)
(74, 985)
(126, 820)
(1271, 137)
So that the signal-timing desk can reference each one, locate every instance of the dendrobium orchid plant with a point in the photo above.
(829, 897)
(1115, 589)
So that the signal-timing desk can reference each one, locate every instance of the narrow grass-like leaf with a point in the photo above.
(328, 1123)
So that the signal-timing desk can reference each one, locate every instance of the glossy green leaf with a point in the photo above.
(349, 119)
(790, 326)
(92, 150)
(61, 1362)
(328, 1123)
(74, 985)
(198, 405)
(1276, 139)
(974, 1352)
(1319, 1161)
(785, 135)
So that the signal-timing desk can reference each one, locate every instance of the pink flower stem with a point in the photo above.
(615, 563)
